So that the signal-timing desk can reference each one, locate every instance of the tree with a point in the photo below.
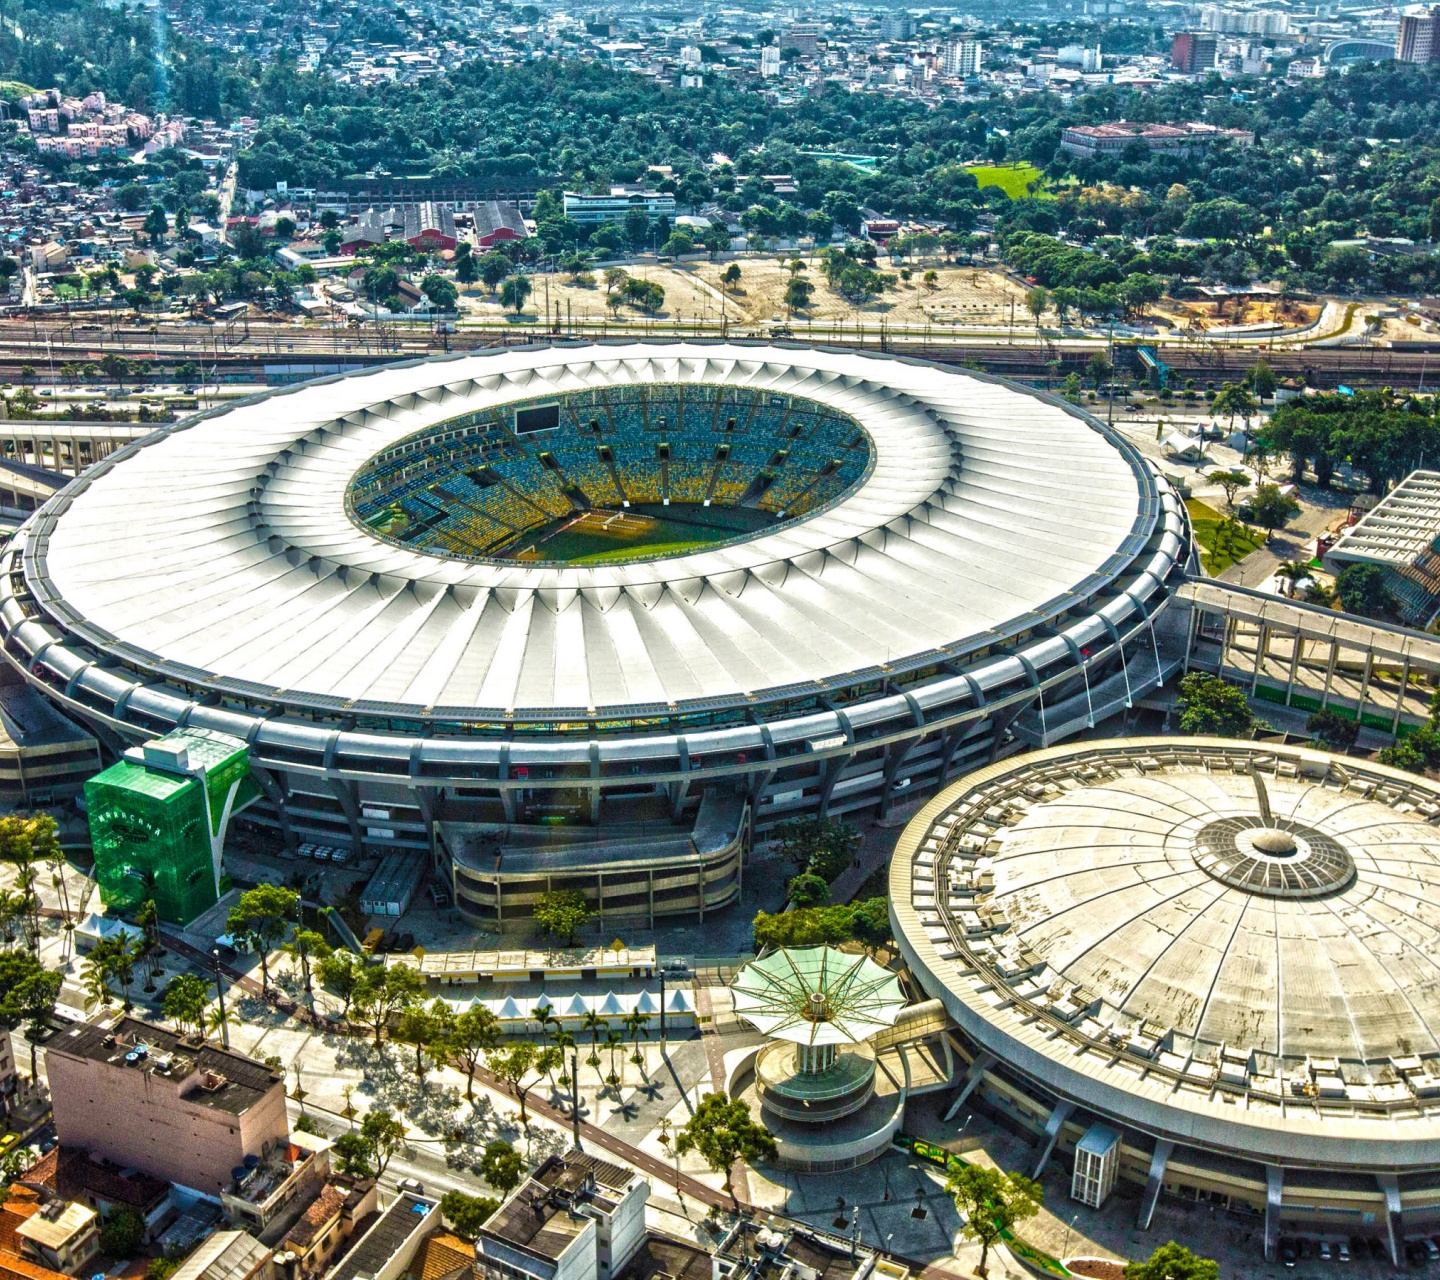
(804, 927)
(1213, 708)
(1262, 380)
(1232, 482)
(1098, 367)
(247, 241)
(502, 1166)
(494, 268)
(356, 1157)
(384, 990)
(263, 916)
(722, 1131)
(870, 922)
(515, 292)
(306, 948)
(1234, 399)
(821, 846)
(421, 1026)
(467, 269)
(807, 890)
(28, 993)
(156, 224)
(442, 294)
(991, 1202)
(562, 911)
(730, 278)
(1332, 730)
(122, 1233)
(466, 1214)
(1362, 589)
(1173, 1262)
(615, 279)
(1271, 509)
(797, 294)
(341, 973)
(513, 1062)
(475, 1033)
(1035, 303)
(385, 1134)
(184, 1001)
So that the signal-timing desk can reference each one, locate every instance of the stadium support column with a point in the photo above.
(1299, 646)
(1262, 643)
(1154, 1181)
(1365, 685)
(1274, 1194)
(1329, 673)
(1400, 697)
(1394, 1214)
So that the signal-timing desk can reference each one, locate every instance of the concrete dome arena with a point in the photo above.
(1219, 955)
(594, 615)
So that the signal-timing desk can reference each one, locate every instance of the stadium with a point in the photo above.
(1199, 967)
(594, 616)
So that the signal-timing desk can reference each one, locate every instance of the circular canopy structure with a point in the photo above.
(1227, 944)
(817, 996)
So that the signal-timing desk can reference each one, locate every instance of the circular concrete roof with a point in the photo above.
(221, 550)
(1170, 927)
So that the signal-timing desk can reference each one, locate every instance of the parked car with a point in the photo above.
(1432, 1250)
(1325, 1252)
(1342, 1251)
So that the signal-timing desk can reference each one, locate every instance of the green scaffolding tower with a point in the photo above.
(158, 819)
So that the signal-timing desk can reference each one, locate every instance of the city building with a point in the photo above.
(429, 226)
(1193, 51)
(497, 220)
(590, 209)
(72, 1173)
(962, 57)
(1252, 22)
(1418, 39)
(228, 1255)
(61, 1235)
(1089, 141)
(751, 1250)
(628, 728)
(158, 819)
(575, 1218)
(387, 1248)
(1398, 536)
(328, 1222)
(1217, 950)
(770, 61)
(183, 1110)
(897, 24)
(804, 37)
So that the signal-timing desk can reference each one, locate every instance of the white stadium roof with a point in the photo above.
(223, 546)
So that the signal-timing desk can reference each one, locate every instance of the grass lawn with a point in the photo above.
(639, 553)
(1223, 539)
(1010, 178)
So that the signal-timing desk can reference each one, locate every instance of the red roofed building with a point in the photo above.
(1091, 140)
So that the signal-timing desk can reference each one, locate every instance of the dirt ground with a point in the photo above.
(693, 293)
(1226, 314)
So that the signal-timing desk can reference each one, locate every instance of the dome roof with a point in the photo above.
(1232, 944)
(1168, 901)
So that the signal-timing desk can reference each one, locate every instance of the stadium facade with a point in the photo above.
(595, 615)
(1210, 962)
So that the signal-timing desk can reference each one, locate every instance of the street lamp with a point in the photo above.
(220, 996)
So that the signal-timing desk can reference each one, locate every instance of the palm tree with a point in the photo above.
(97, 970)
(564, 1041)
(594, 1024)
(125, 956)
(544, 1014)
(613, 1041)
(635, 1023)
(1294, 572)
